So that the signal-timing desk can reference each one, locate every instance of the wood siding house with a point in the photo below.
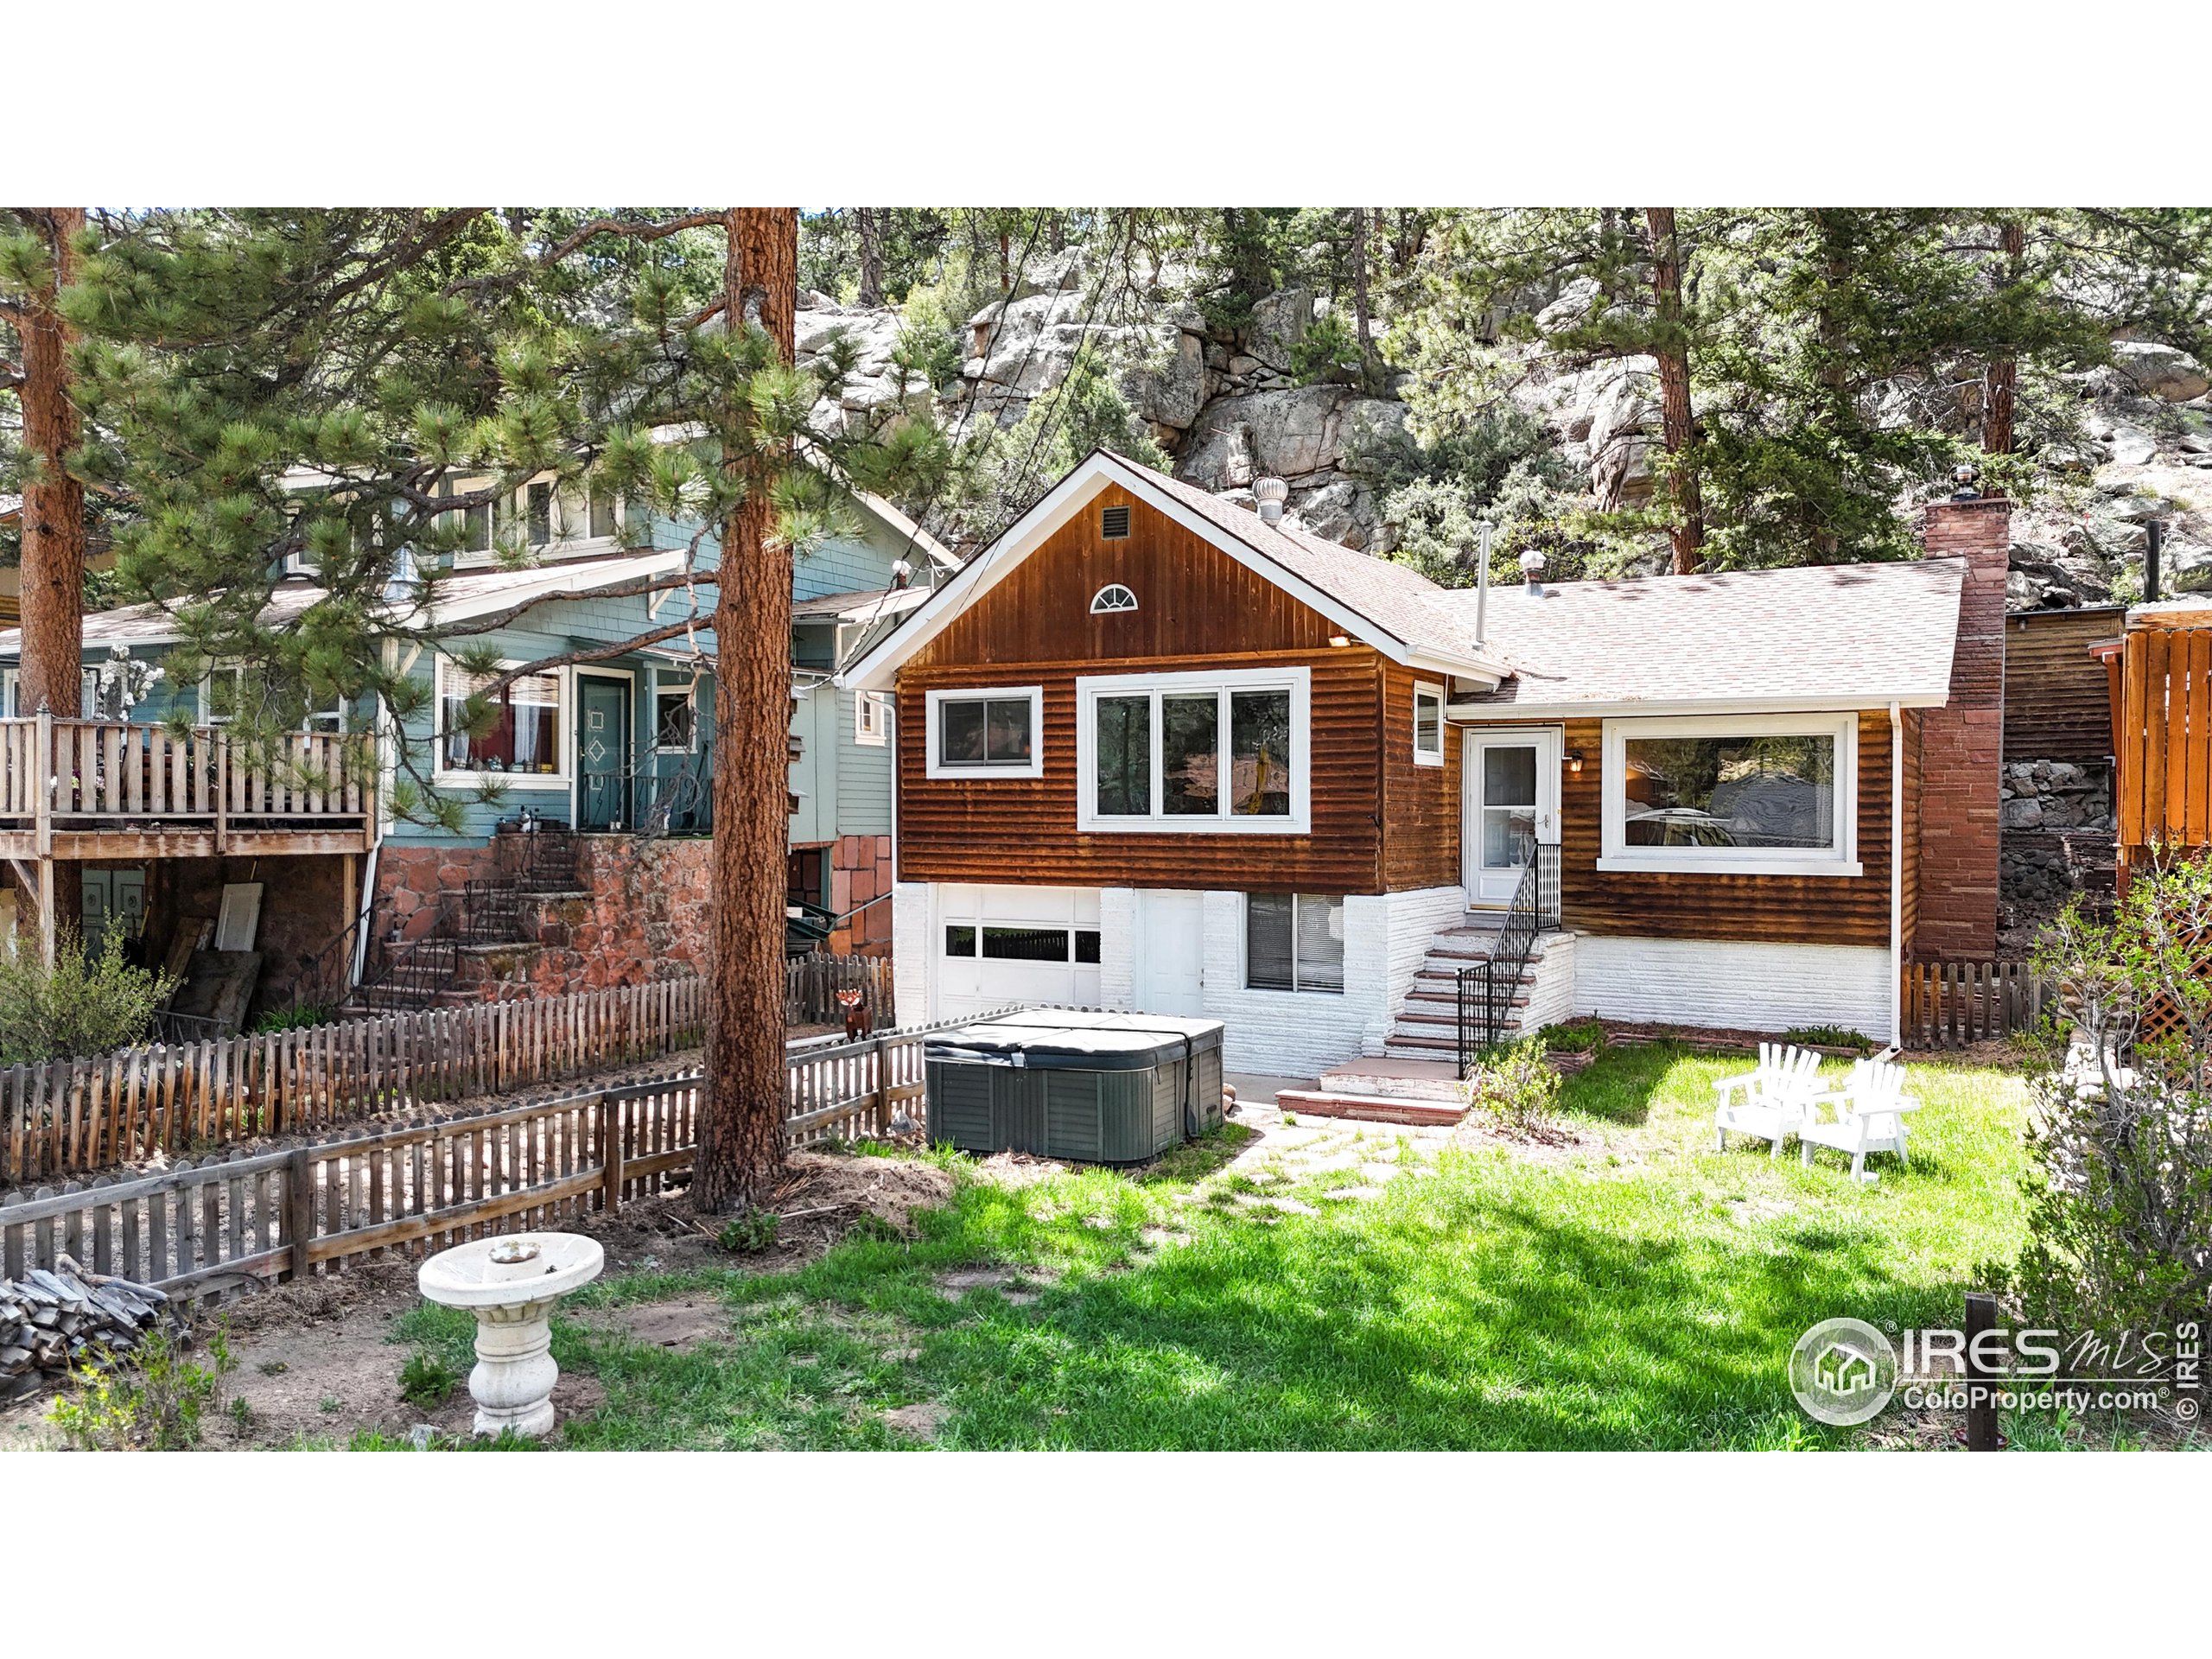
(1156, 752)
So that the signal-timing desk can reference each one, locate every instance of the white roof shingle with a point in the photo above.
(1840, 636)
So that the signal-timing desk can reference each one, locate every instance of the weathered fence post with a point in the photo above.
(610, 1151)
(299, 1208)
(1982, 1376)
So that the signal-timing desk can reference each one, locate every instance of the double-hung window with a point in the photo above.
(1742, 795)
(1293, 942)
(524, 740)
(994, 732)
(1210, 751)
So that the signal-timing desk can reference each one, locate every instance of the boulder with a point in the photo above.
(1279, 322)
(2161, 371)
(1170, 388)
(1291, 433)
(2020, 814)
(2130, 446)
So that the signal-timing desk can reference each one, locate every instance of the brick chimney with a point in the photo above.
(1962, 743)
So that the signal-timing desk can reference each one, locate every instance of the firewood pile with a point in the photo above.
(50, 1322)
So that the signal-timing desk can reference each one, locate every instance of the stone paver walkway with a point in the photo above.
(1351, 1160)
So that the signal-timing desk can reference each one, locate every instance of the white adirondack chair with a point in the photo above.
(1768, 1103)
(1868, 1116)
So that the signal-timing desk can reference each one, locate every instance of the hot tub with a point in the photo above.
(1061, 1082)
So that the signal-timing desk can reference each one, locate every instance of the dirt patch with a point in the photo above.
(1019, 1169)
(921, 1420)
(680, 1322)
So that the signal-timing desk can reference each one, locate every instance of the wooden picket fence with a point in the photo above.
(63, 1116)
(1950, 1004)
(405, 1192)
(811, 983)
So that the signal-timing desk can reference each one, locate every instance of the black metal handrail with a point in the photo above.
(1487, 988)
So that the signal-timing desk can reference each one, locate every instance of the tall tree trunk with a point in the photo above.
(871, 236)
(2000, 381)
(1006, 260)
(54, 518)
(742, 1120)
(1833, 374)
(1359, 307)
(1672, 347)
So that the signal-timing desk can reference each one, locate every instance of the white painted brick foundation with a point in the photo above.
(1730, 984)
(1117, 956)
(1412, 919)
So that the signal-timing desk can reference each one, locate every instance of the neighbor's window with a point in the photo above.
(540, 499)
(1428, 725)
(872, 719)
(526, 736)
(985, 733)
(474, 524)
(1195, 751)
(603, 517)
(674, 720)
(1293, 942)
(1752, 793)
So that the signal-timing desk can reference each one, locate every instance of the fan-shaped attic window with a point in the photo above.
(1111, 598)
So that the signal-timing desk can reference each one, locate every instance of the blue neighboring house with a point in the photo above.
(617, 747)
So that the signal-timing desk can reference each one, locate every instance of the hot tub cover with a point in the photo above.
(1075, 1039)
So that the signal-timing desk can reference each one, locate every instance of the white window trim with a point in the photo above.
(1298, 680)
(689, 688)
(935, 767)
(1100, 608)
(872, 718)
(1421, 757)
(87, 682)
(1244, 947)
(1616, 855)
(205, 692)
(569, 508)
(556, 779)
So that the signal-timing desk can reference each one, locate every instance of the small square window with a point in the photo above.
(959, 941)
(1293, 942)
(871, 719)
(980, 733)
(674, 720)
(1086, 944)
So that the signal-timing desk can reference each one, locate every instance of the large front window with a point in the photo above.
(1756, 794)
(1218, 752)
(525, 736)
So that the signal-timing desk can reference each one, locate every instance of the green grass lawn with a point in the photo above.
(1636, 1292)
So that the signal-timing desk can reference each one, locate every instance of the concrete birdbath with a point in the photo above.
(511, 1284)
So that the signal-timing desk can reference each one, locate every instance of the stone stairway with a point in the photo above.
(1427, 1026)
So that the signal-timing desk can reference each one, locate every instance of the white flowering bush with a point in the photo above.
(2120, 1199)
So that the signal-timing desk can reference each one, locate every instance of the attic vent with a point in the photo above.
(1112, 597)
(1114, 523)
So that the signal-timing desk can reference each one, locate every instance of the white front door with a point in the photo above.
(1171, 952)
(1509, 802)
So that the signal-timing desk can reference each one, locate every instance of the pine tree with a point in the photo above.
(39, 250)
(391, 358)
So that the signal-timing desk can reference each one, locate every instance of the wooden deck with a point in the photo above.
(82, 789)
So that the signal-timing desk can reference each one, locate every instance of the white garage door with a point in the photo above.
(999, 945)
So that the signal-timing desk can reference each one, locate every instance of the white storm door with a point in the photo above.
(1510, 802)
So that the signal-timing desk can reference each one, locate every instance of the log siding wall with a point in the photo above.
(1196, 609)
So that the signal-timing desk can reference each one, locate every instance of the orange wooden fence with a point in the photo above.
(2164, 742)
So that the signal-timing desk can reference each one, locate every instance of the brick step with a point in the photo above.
(1373, 1109)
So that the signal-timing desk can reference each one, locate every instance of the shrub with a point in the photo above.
(426, 1379)
(1514, 1085)
(299, 1019)
(151, 1400)
(748, 1234)
(1829, 1037)
(1575, 1037)
(2120, 1138)
(84, 1004)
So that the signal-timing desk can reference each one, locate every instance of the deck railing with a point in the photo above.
(71, 777)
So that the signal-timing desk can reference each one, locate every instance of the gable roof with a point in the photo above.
(1839, 636)
(1396, 610)
(457, 598)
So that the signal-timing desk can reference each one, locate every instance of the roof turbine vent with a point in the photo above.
(1532, 571)
(1270, 493)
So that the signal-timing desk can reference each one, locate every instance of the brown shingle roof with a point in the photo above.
(1394, 597)
(1842, 636)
